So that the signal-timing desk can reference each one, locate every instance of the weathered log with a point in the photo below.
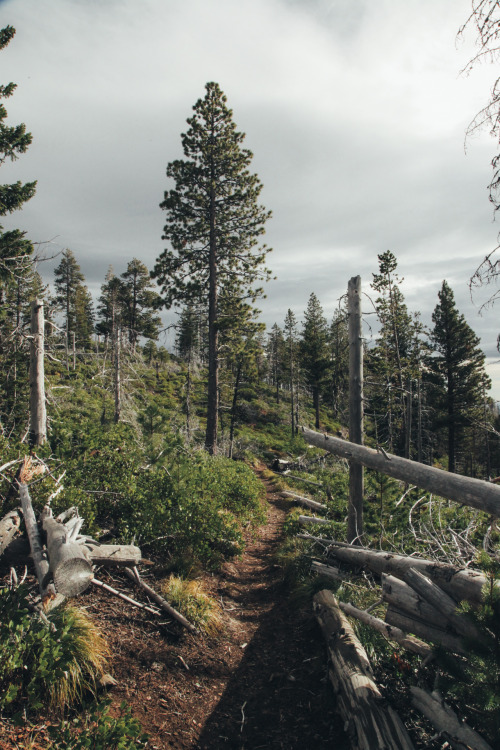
(460, 583)
(388, 631)
(126, 598)
(405, 599)
(326, 570)
(447, 606)
(9, 526)
(113, 554)
(135, 577)
(47, 590)
(424, 630)
(71, 569)
(446, 722)
(356, 410)
(312, 519)
(304, 501)
(473, 492)
(371, 723)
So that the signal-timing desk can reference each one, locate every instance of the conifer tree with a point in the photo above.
(314, 351)
(292, 366)
(73, 299)
(339, 352)
(214, 222)
(275, 356)
(457, 373)
(139, 301)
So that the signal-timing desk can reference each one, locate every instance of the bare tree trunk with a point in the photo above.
(118, 393)
(70, 567)
(38, 413)
(356, 483)
(9, 526)
(40, 561)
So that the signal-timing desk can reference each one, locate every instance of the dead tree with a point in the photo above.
(38, 413)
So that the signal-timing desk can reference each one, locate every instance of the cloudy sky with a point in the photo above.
(355, 111)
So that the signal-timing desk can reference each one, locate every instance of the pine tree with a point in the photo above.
(457, 373)
(339, 353)
(73, 299)
(292, 366)
(275, 356)
(139, 301)
(214, 223)
(314, 351)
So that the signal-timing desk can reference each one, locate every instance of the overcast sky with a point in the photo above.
(355, 111)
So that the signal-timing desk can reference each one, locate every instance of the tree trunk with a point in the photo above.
(47, 590)
(9, 526)
(38, 413)
(113, 554)
(71, 570)
(401, 596)
(304, 501)
(473, 492)
(422, 629)
(459, 734)
(213, 337)
(370, 722)
(233, 409)
(356, 482)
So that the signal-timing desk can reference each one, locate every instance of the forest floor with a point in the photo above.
(261, 684)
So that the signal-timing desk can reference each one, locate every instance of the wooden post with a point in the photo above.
(355, 509)
(38, 413)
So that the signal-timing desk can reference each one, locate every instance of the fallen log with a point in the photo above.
(71, 569)
(9, 526)
(113, 554)
(388, 631)
(304, 501)
(444, 604)
(421, 629)
(405, 599)
(47, 589)
(460, 583)
(312, 519)
(459, 734)
(126, 598)
(135, 577)
(326, 570)
(370, 722)
(473, 492)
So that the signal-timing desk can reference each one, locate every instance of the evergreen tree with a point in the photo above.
(339, 353)
(457, 373)
(275, 356)
(214, 223)
(315, 359)
(109, 308)
(139, 301)
(291, 367)
(73, 299)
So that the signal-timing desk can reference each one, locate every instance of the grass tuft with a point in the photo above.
(195, 604)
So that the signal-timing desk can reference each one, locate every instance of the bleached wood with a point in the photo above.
(405, 599)
(160, 600)
(71, 569)
(40, 561)
(312, 519)
(370, 722)
(9, 526)
(126, 598)
(388, 631)
(446, 722)
(424, 630)
(326, 570)
(113, 554)
(356, 415)
(473, 492)
(307, 502)
(38, 412)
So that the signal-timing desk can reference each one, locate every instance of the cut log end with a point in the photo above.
(73, 576)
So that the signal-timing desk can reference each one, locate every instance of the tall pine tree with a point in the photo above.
(315, 358)
(457, 373)
(214, 222)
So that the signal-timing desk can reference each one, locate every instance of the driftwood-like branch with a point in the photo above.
(326, 570)
(135, 577)
(71, 570)
(312, 519)
(9, 526)
(459, 734)
(126, 598)
(113, 554)
(388, 631)
(421, 629)
(405, 599)
(370, 721)
(40, 561)
(458, 583)
(307, 502)
(473, 492)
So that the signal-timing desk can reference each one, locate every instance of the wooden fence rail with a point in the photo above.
(475, 493)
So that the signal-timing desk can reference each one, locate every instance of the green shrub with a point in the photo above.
(95, 729)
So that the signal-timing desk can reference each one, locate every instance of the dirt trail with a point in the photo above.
(262, 685)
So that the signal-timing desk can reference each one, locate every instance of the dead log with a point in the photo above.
(447, 606)
(47, 590)
(388, 631)
(424, 630)
(371, 723)
(113, 554)
(460, 583)
(473, 492)
(405, 599)
(71, 569)
(126, 598)
(135, 577)
(326, 570)
(304, 501)
(459, 734)
(312, 519)
(9, 526)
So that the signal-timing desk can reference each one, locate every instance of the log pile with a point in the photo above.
(422, 598)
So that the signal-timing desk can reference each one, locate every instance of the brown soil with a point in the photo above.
(262, 684)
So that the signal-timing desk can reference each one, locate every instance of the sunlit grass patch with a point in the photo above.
(189, 597)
